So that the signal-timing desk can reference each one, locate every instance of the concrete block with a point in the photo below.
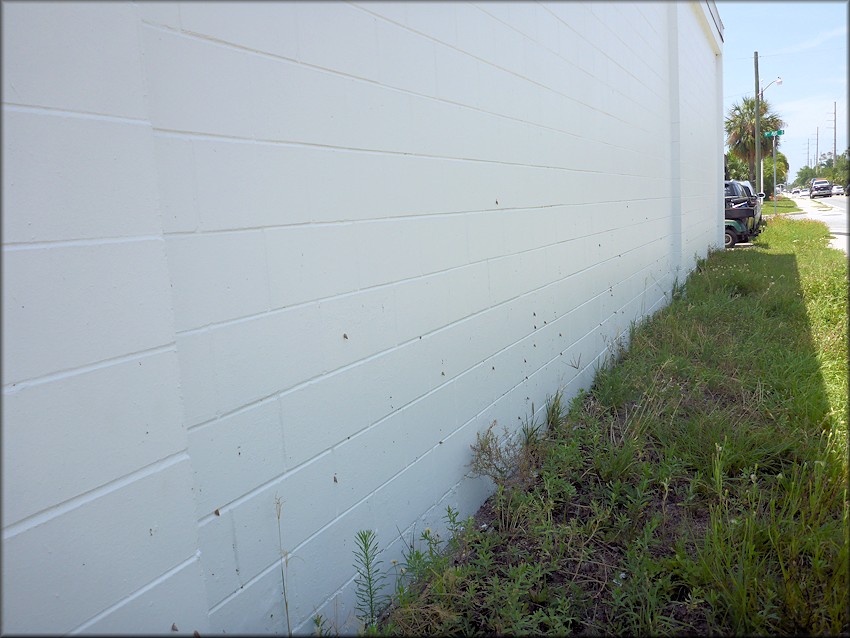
(396, 378)
(101, 175)
(140, 531)
(217, 545)
(185, 77)
(320, 414)
(405, 60)
(256, 608)
(354, 327)
(113, 299)
(176, 601)
(384, 242)
(352, 30)
(374, 457)
(234, 454)
(258, 357)
(402, 500)
(176, 183)
(457, 76)
(473, 392)
(73, 57)
(424, 305)
(511, 276)
(248, 185)
(282, 185)
(444, 242)
(226, 180)
(216, 277)
(435, 20)
(266, 27)
(197, 377)
(69, 436)
(298, 103)
(311, 262)
(255, 521)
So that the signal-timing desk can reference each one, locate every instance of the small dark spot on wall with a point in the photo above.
(442, 374)
(217, 513)
(344, 336)
(174, 627)
(335, 479)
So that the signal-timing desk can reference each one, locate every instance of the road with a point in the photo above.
(832, 211)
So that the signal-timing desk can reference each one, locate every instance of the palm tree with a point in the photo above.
(740, 128)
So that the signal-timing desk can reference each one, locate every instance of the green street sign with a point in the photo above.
(773, 133)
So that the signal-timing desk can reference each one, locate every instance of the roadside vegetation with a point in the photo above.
(699, 487)
(784, 206)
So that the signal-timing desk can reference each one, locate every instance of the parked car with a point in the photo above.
(742, 216)
(804, 192)
(796, 191)
(820, 188)
(756, 199)
(837, 189)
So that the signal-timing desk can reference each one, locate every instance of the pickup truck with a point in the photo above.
(820, 188)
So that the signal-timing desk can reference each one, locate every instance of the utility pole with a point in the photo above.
(758, 127)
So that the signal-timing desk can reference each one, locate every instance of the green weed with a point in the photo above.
(699, 487)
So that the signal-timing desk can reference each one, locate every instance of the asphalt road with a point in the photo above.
(832, 211)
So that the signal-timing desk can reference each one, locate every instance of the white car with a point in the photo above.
(837, 189)
(804, 192)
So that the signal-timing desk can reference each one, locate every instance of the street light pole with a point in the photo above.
(759, 100)
(758, 117)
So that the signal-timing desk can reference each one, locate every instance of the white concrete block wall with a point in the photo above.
(98, 496)
(304, 252)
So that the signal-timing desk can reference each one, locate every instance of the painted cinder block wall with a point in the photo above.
(302, 253)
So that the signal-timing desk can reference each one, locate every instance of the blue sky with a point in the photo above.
(804, 43)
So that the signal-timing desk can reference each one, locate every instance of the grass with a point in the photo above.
(784, 205)
(700, 486)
